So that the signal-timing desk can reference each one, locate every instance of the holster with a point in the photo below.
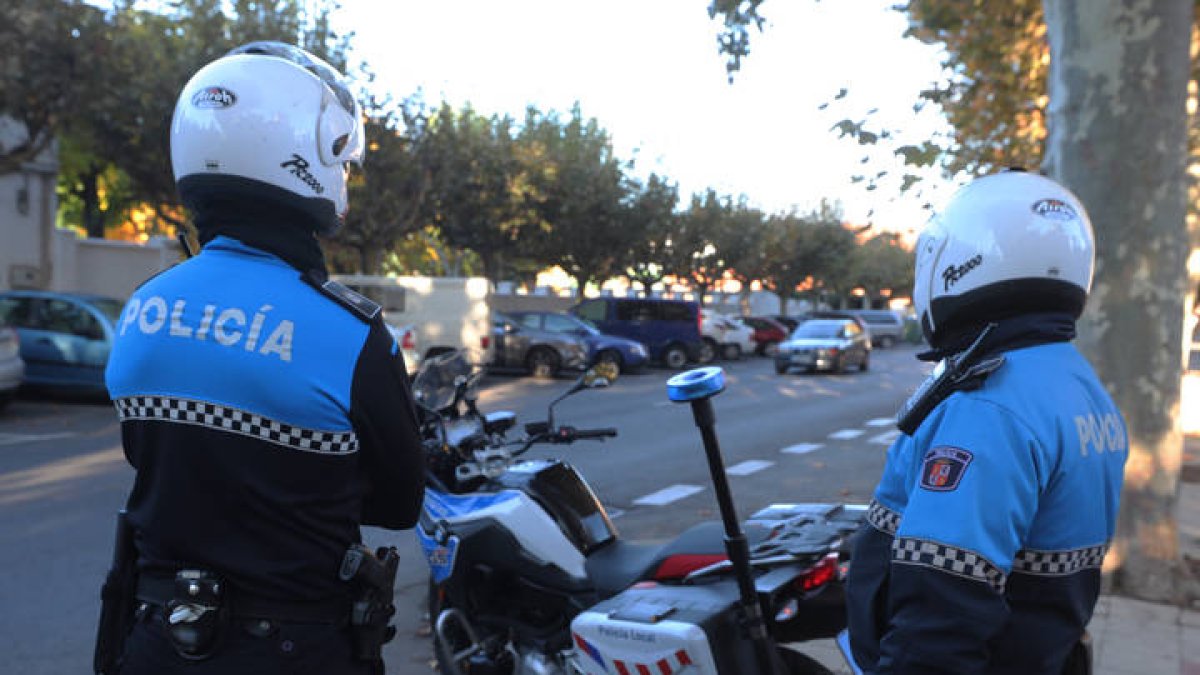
(374, 577)
(118, 601)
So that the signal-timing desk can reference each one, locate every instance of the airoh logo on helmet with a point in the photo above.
(298, 167)
(213, 97)
(954, 273)
(1054, 209)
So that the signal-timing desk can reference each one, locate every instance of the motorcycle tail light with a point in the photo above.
(410, 341)
(485, 341)
(818, 575)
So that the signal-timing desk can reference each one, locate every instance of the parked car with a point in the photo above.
(541, 352)
(670, 329)
(727, 336)
(65, 338)
(788, 322)
(836, 314)
(623, 353)
(768, 333)
(825, 344)
(12, 367)
(886, 327)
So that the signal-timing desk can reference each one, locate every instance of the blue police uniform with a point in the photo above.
(268, 416)
(989, 526)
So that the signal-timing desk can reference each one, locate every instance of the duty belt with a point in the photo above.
(159, 590)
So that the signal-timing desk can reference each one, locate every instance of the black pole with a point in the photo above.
(735, 540)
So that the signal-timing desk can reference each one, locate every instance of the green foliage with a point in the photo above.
(738, 17)
(388, 196)
(50, 65)
(805, 251)
(580, 194)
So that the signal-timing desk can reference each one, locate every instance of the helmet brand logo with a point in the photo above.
(213, 97)
(954, 273)
(298, 167)
(1054, 209)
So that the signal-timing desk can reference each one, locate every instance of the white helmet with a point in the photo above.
(267, 121)
(1006, 244)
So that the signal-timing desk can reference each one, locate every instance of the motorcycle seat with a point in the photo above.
(619, 564)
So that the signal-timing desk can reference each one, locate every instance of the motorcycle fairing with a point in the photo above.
(515, 511)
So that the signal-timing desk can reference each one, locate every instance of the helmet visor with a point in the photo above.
(343, 139)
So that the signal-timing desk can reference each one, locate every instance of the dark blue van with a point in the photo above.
(670, 329)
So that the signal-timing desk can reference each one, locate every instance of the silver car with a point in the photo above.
(12, 368)
(541, 352)
(825, 344)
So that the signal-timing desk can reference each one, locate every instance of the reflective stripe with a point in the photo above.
(957, 561)
(882, 518)
(1059, 563)
(233, 420)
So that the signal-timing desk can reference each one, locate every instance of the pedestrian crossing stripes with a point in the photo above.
(748, 467)
(667, 495)
(802, 448)
(886, 438)
(847, 434)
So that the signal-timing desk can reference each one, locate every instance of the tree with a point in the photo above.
(387, 197)
(803, 251)
(50, 48)
(653, 214)
(477, 196)
(581, 195)
(1118, 138)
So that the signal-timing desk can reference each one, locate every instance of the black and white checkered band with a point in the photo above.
(200, 413)
(882, 518)
(1059, 563)
(964, 563)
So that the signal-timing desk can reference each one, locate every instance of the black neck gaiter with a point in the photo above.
(265, 226)
(1025, 330)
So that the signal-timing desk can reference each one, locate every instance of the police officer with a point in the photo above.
(266, 410)
(987, 531)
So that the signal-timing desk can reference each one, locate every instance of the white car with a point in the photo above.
(726, 336)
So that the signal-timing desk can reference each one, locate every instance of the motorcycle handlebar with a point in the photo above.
(608, 432)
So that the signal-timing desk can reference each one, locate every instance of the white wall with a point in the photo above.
(28, 204)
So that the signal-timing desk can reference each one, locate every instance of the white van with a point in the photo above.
(448, 312)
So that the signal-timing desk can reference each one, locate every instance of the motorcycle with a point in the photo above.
(528, 575)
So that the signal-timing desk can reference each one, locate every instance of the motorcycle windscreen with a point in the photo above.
(559, 488)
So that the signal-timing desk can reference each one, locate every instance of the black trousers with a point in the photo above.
(248, 647)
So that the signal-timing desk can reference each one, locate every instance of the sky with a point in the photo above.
(648, 71)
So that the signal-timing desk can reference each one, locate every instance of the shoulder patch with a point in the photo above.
(944, 467)
(358, 303)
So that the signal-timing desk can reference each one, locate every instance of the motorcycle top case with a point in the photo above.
(663, 630)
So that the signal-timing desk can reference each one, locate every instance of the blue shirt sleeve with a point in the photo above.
(972, 480)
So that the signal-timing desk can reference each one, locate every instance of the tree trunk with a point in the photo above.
(1117, 137)
(89, 194)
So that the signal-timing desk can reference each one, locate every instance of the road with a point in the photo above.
(785, 438)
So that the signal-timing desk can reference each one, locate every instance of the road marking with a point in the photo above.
(667, 495)
(748, 467)
(881, 422)
(847, 434)
(802, 448)
(886, 438)
(613, 512)
(13, 439)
